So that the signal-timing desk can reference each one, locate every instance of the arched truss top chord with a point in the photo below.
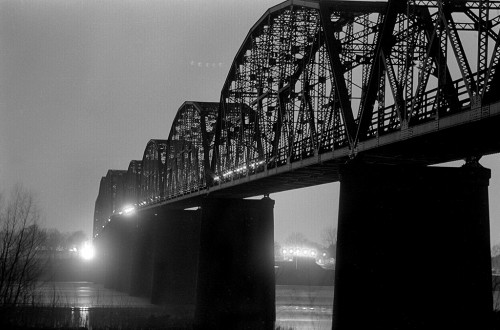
(317, 76)
(115, 179)
(134, 167)
(154, 163)
(110, 198)
(133, 181)
(115, 182)
(294, 99)
(191, 142)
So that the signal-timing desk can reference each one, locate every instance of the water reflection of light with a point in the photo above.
(80, 316)
(84, 289)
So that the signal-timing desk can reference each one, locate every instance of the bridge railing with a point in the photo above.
(387, 120)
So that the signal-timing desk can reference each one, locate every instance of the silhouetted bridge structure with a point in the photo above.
(366, 93)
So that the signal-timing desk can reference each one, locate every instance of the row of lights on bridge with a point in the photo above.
(129, 209)
(126, 210)
(239, 170)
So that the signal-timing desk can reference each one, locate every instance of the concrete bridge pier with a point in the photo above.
(117, 251)
(176, 246)
(413, 249)
(236, 286)
(141, 277)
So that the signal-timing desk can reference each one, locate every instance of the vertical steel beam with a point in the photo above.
(384, 45)
(396, 88)
(282, 93)
(310, 117)
(482, 48)
(493, 74)
(456, 43)
(215, 165)
(257, 132)
(333, 46)
(205, 144)
(433, 55)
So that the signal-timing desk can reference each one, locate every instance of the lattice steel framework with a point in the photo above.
(110, 198)
(191, 144)
(314, 77)
(154, 165)
(133, 181)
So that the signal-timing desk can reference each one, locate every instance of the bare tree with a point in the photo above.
(329, 236)
(20, 239)
(330, 240)
(75, 239)
(495, 250)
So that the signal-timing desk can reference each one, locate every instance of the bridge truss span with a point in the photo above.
(321, 76)
(323, 91)
(317, 83)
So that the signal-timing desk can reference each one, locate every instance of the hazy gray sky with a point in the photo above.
(85, 84)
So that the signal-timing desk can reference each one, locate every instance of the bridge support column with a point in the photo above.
(236, 286)
(413, 249)
(141, 280)
(116, 246)
(176, 247)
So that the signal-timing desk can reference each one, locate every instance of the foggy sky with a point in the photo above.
(84, 85)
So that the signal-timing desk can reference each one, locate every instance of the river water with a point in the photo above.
(297, 307)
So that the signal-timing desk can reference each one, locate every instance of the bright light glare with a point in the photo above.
(87, 251)
(128, 209)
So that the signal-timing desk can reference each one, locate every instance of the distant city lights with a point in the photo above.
(299, 252)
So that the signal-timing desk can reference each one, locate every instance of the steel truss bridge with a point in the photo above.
(318, 83)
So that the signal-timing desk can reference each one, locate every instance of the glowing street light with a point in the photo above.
(87, 251)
